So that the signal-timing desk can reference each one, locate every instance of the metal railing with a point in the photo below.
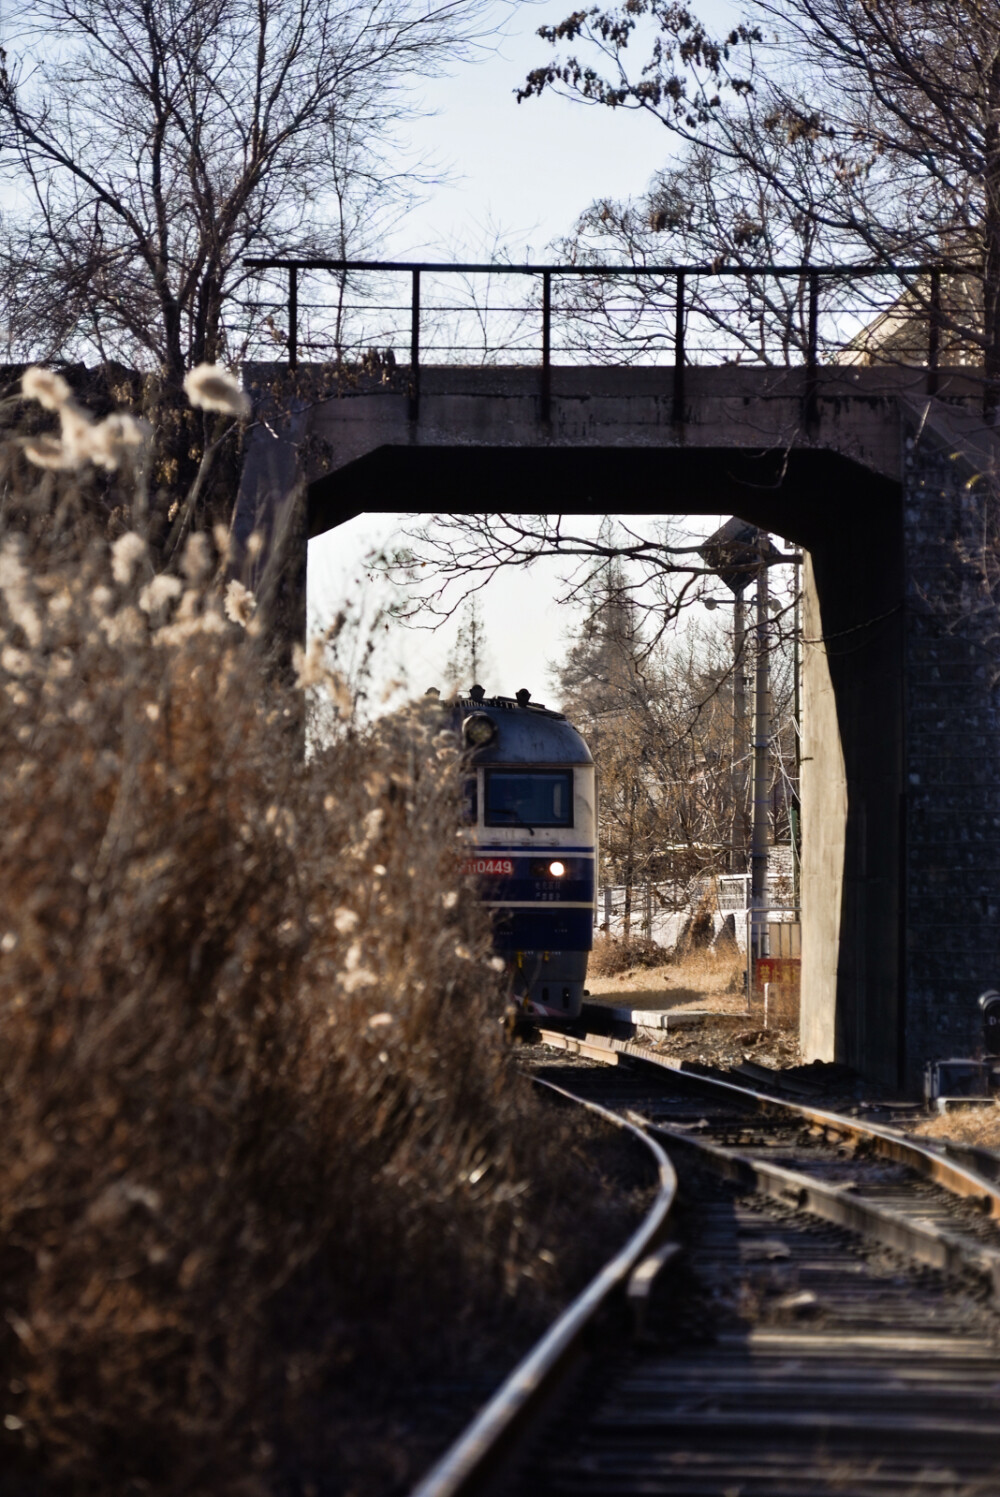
(921, 282)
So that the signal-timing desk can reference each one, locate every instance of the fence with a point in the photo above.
(662, 912)
(682, 314)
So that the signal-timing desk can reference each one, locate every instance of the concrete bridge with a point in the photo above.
(877, 481)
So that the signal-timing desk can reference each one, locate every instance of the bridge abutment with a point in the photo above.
(952, 726)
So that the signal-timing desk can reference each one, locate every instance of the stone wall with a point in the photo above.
(952, 791)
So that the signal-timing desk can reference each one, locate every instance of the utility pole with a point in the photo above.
(738, 852)
(737, 553)
(795, 810)
(761, 834)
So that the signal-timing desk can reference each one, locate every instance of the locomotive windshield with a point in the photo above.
(539, 798)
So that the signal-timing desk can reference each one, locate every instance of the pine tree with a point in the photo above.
(606, 693)
(659, 724)
(469, 660)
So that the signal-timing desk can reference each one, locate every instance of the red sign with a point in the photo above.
(495, 866)
(783, 971)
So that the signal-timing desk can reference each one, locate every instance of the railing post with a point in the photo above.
(678, 411)
(934, 333)
(293, 316)
(414, 406)
(546, 403)
(812, 359)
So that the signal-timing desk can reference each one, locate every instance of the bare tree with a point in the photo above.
(448, 558)
(706, 211)
(160, 144)
(876, 124)
(605, 691)
(469, 660)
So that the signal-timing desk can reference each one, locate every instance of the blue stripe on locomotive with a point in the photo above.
(575, 887)
(547, 928)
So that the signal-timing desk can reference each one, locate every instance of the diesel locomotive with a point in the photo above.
(532, 829)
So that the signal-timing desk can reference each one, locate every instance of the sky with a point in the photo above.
(523, 172)
(527, 169)
(525, 629)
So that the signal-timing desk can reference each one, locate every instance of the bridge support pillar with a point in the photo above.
(272, 504)
(852, 770)
(901, 765)
(951, 854)
(823, 792)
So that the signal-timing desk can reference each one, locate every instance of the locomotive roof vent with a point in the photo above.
(477, 699)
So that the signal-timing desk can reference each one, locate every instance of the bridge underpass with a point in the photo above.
(901, 753)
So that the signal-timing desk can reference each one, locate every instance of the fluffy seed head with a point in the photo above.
(48, 388)
(311, 669)
(15, 662)
(47, 452)
(158, 593)
(126, 627)
(196, 563)
(77, 434)
(240, 603)
(212, 388)
(118, 437)
(127, 551)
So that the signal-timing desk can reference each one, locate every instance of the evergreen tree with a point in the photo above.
(469, 661)
(605, 691)
(659, 723)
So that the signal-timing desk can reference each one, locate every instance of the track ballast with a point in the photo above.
(787, 1356)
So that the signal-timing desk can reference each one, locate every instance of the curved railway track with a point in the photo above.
(831, 1325)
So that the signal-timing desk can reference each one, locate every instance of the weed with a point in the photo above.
(260, 1124)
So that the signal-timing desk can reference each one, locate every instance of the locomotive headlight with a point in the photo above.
(479, 730)
(557, 869)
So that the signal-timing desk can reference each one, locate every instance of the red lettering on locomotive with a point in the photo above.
(497, 867)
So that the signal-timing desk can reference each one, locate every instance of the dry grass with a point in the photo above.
(705, 978)
(259, 1121)
(967, 1125)
(613, 957)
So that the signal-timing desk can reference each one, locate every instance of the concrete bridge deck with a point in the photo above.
(322, 426)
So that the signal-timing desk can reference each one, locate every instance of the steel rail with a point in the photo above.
(952, 1176)
(917, 1238)
(815, 1365)
(477, 1454)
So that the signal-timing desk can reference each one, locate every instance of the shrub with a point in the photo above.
(612, 956)
(259, 1119)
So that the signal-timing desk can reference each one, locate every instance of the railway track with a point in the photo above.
(830, 1325)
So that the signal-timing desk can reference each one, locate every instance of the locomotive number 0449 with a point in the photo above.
(501, 866)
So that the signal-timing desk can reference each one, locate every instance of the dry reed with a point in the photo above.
(259, 1120)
